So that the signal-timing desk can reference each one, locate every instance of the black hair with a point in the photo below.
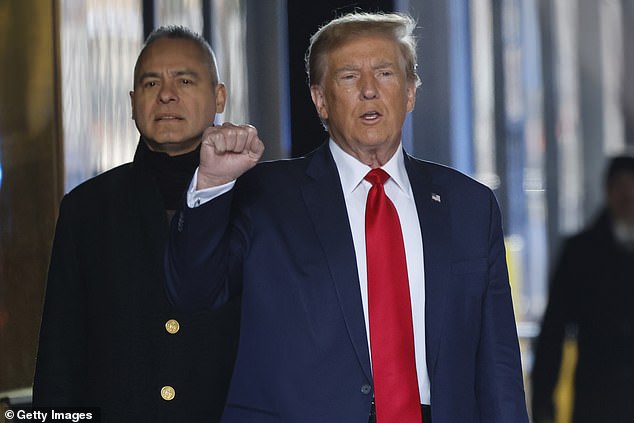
(618, 165)
(181, 32)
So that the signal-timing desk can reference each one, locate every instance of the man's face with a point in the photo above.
(174, 98)
(621, 198)
(365, 95)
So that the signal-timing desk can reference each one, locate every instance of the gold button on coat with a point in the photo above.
(172, 326)
(168, 393)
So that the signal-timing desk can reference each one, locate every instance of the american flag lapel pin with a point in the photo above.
(435, 197)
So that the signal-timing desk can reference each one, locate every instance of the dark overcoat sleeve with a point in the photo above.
(559, 315)
(63, 331)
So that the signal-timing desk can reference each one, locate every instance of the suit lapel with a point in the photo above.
(328, 212)
(432, 207)
(325, 202)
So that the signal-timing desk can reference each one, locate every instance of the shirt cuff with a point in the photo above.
(197, 198)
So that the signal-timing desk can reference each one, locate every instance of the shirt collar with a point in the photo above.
(352, 171)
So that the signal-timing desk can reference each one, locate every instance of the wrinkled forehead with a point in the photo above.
(376, 51)
(378, 45)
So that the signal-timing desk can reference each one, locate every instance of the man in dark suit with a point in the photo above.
(110, 337)
(292, 237)
(592, 299)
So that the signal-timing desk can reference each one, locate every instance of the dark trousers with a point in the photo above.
(425, 410)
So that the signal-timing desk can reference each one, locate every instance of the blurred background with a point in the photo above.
(527, 96)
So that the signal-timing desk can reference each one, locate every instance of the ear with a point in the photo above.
(132, 105)
(221, 97)
(319, 100)
(411, 95)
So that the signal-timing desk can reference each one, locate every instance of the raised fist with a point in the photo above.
(227, 152)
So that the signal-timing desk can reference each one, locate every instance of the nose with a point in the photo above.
(368, 89)
(167, 92)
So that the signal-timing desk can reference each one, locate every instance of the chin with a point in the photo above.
(374, 140)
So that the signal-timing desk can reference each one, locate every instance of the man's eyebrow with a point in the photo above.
(348, 68)
(179, 72)
(146, 75)
(383, 65)
(184, 72)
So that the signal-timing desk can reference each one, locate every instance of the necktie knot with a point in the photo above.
(377, 176)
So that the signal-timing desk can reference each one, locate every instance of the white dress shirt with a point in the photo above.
(398, 189)
(355, 190)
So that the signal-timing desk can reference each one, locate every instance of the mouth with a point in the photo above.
(168, 117)
(371, 115)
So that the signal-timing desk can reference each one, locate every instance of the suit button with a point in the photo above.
(181, 222)
(172, 326)
(168, 393)
(366, 389)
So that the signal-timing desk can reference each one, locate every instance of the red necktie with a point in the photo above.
(391, 334)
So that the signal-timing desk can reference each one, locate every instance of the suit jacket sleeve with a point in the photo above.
(500, 385)
(202, 258)
(63, 331)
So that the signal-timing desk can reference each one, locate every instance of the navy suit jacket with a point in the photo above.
(281, 237)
